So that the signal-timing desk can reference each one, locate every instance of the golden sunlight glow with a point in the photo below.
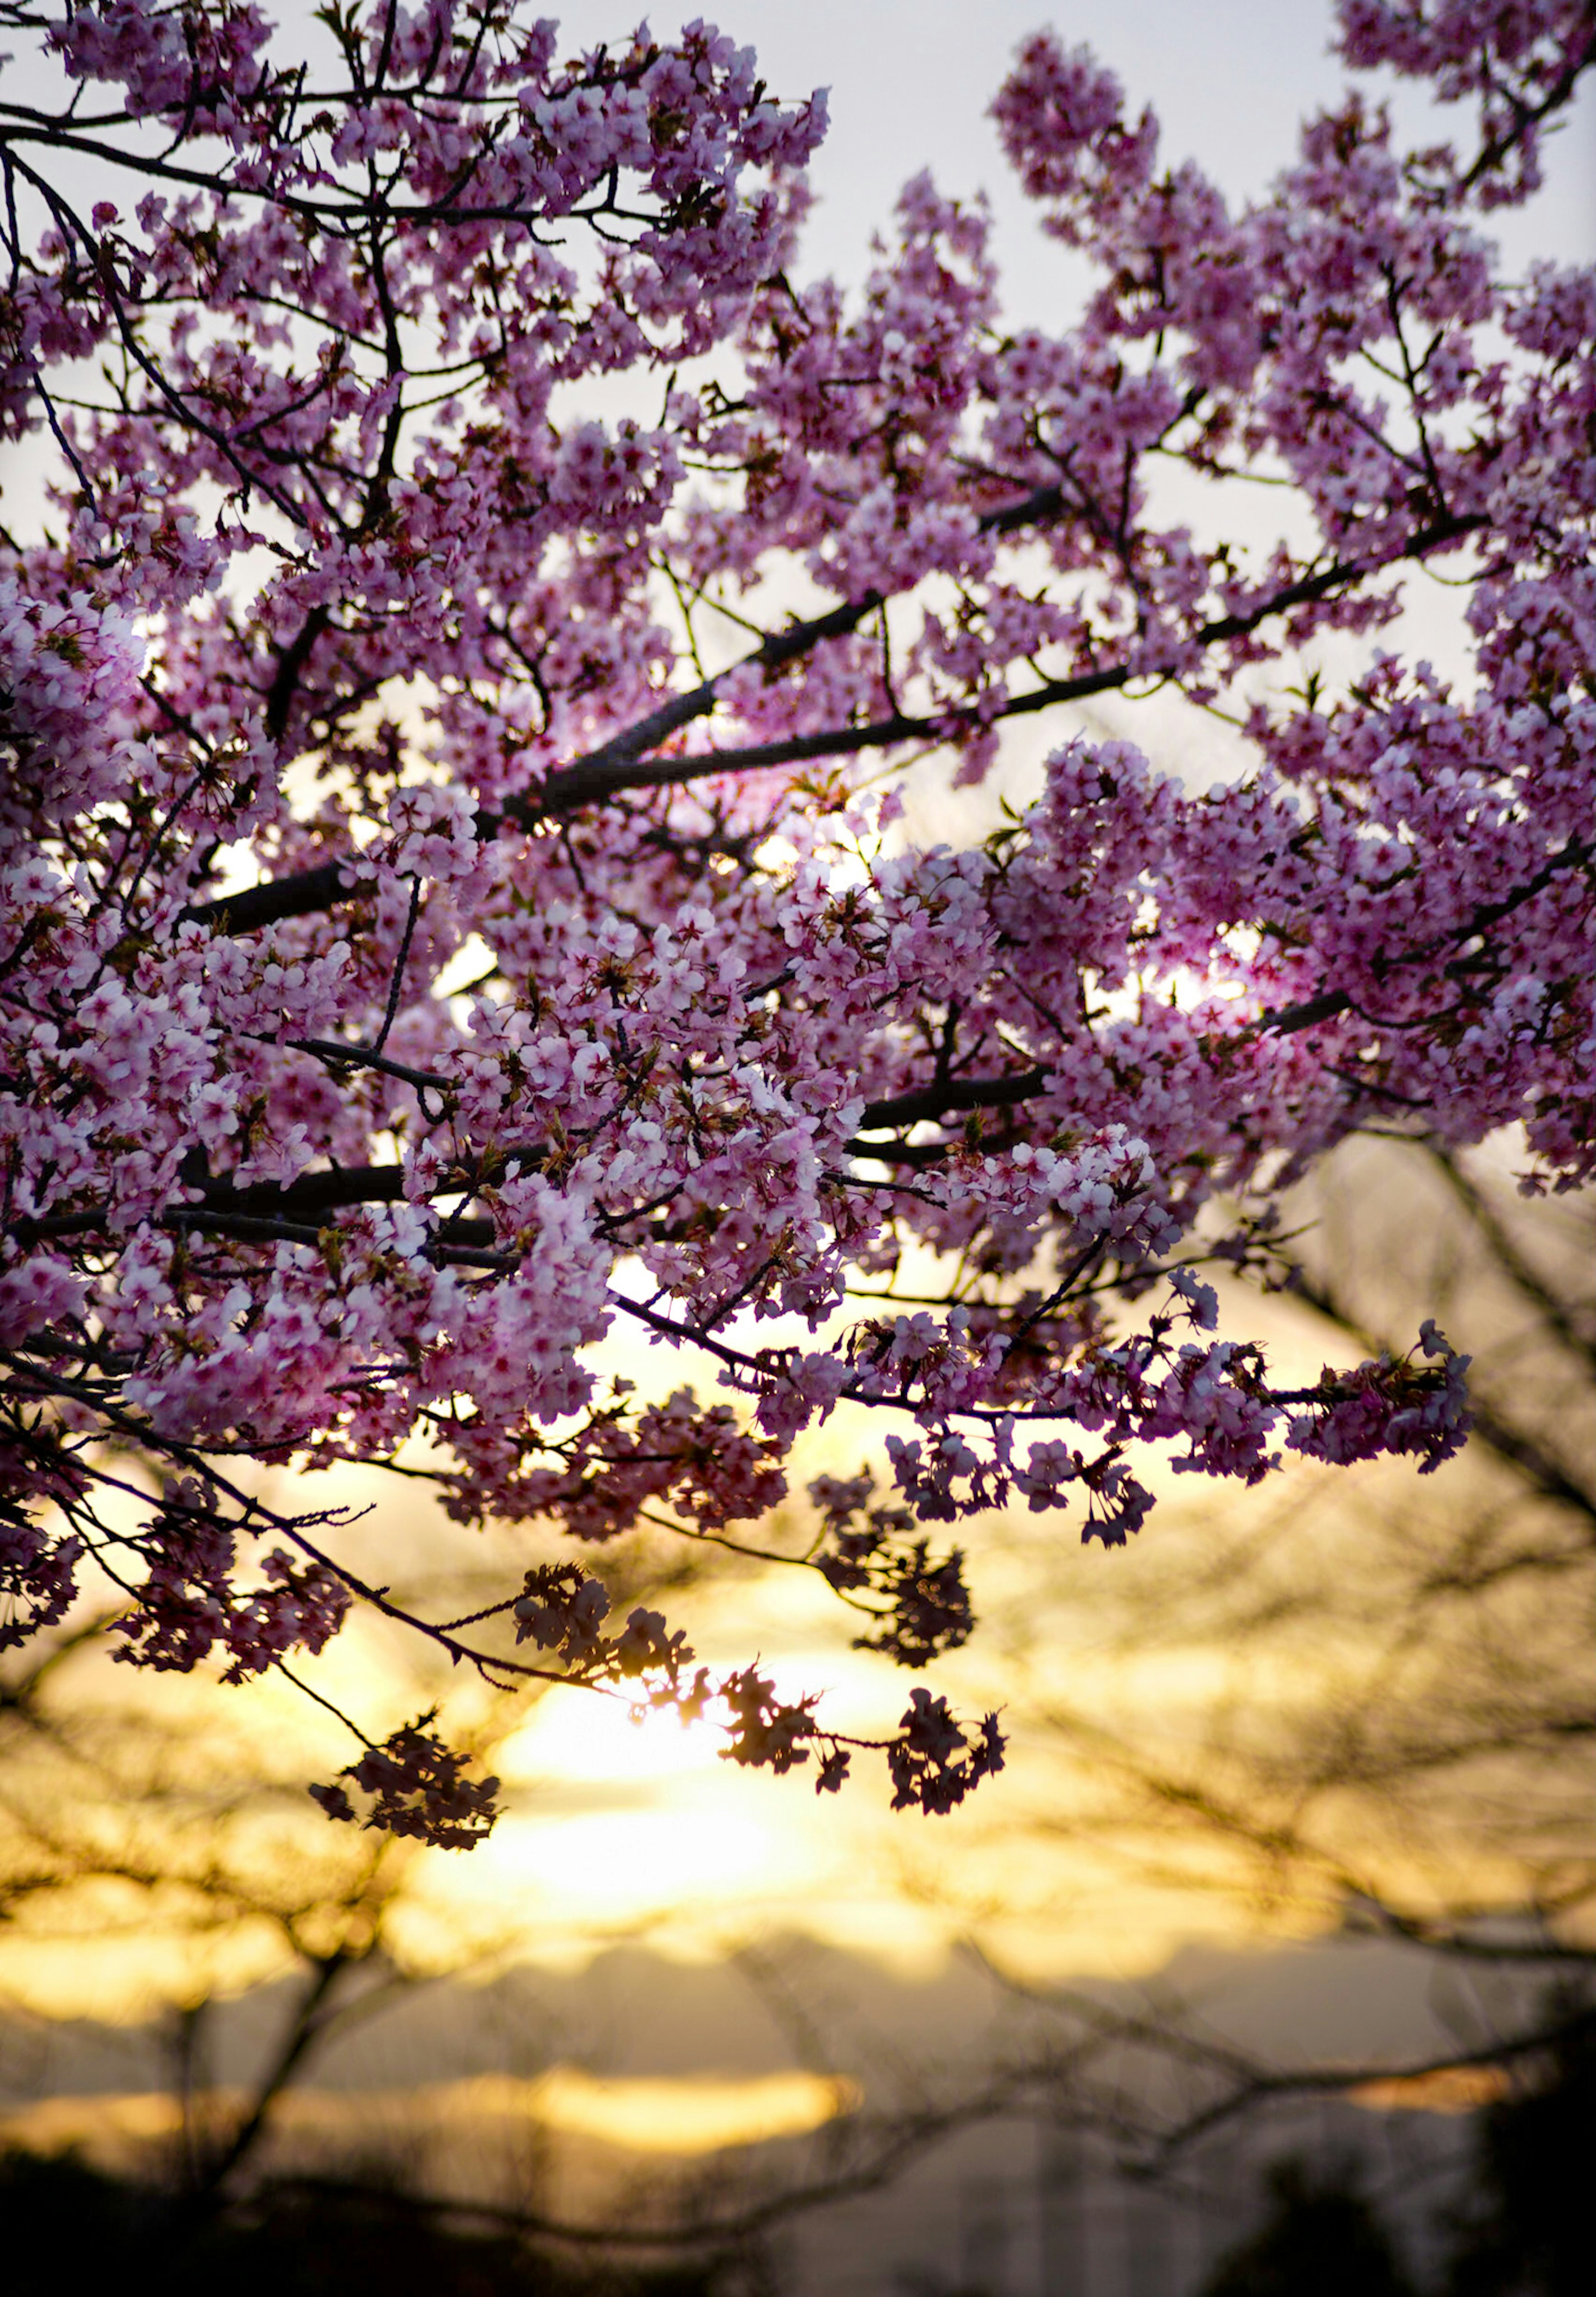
(622, 1828)
(618, 1825)
(687, 2117)
(640, 2116)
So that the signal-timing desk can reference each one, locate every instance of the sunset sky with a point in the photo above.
(617, 1827)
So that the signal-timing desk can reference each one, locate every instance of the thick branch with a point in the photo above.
(619, 764)
(928, 1102)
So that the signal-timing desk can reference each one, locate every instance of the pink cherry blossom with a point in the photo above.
(421, 961)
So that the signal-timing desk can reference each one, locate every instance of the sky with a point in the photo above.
(910, 81)
(617, 1829)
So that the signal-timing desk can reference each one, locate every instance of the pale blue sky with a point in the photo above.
(910, 81)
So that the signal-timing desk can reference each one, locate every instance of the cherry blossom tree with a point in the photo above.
(454, 898)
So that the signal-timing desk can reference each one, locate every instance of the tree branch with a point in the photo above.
(619, 764)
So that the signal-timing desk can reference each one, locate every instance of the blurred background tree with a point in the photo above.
(1381, 1716)
(160, 1861)
(1364, 1709)
(1358, 1714)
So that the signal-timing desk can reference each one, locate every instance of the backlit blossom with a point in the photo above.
(421, 961)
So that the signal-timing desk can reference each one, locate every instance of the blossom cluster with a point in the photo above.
(454, 905)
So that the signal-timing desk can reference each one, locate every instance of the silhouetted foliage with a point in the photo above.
(1321, 2238)
(69, 2226)
(1531, 2232)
